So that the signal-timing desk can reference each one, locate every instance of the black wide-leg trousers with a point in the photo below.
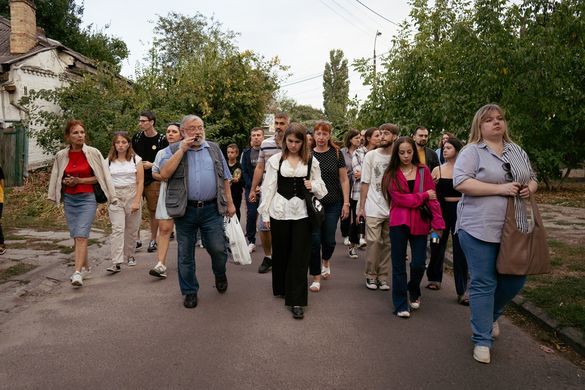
(291, 252)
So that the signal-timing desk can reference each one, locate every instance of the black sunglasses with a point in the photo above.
(508, 168)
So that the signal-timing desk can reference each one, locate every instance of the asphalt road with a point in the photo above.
(130, 331)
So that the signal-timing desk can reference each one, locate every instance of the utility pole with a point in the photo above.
(375, 38)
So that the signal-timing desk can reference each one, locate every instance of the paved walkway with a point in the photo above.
(131, 331)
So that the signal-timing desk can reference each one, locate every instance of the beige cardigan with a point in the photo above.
(97, 164)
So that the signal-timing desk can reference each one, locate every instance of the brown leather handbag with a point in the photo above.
(523, 253)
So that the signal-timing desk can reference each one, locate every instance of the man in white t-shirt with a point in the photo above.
(374, 207)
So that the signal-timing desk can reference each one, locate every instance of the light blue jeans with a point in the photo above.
(489, 292)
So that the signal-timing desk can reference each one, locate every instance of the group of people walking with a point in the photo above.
(388, 192)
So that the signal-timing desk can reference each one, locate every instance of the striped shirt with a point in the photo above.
(483, 216)
(268, 149)
(356, 162)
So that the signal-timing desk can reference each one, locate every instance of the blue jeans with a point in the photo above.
(399, 238)
(323, 239)
(251, 216)
(208, 220)
(489, 291)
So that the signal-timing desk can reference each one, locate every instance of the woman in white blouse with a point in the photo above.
(283, 210)
(128, 178)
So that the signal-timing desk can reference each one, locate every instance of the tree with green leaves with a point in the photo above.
(302, 113)
(336, 90)
(61, 20)
(193, 67)
(451, 58)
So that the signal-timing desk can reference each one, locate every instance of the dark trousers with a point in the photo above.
(237, 198)
(323, 239)
(349, 226)
(435, 267)
(399, 238)
(1, 232)
(290, 259)
(251, 217)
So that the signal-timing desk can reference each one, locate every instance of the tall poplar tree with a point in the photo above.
(336, 90)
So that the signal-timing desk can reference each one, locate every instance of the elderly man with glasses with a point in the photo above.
(198, 197)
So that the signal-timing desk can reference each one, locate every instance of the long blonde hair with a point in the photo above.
(479, 118)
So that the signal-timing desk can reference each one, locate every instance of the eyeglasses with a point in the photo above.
(193, 128)
(508, 168)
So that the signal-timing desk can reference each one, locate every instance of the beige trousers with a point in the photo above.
(124, 225)
(378, 251)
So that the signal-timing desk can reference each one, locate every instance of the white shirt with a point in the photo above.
(124, 173)
(373, 167)
(277, 206)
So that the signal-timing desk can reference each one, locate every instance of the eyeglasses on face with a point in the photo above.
(193, 128)
(508, 168)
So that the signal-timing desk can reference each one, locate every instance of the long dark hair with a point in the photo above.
(300, 132)
(389, 178)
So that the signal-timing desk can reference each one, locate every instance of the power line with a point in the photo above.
(382, 16)
(344, 17)
(351, 15)
(301, 81)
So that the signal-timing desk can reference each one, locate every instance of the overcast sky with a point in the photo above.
(300, 32)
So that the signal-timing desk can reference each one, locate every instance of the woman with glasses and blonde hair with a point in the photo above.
(128, 178)
(489, 170)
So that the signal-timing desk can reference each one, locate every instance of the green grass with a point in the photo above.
(561, 294)
(15, 270)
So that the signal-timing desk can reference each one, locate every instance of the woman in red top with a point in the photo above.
(410, 186)
(75, 170)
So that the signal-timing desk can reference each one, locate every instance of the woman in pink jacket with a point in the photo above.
(410, 186)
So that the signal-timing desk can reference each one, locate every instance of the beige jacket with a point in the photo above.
(97, 164)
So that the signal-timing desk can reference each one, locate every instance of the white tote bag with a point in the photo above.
(238, 249)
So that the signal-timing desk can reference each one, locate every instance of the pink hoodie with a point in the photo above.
(404, 205)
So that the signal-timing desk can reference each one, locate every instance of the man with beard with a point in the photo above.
(196, 169)
(425, 155)
(374, 208)
(269, 147)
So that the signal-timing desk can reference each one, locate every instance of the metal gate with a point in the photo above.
(13, 154)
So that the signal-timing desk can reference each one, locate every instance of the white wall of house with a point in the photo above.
(46, 70)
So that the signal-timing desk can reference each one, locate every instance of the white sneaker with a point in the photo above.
(131, 261)
(77, 279)
(363, 242)
(371, 284)
(481, 354)
(495, 330)
(416, 304)
(159, 270)
(403, 314)
(346, 241)
(352, 253)
(383, 285)
(251, 247)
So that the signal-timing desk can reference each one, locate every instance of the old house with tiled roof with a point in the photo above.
(28, 61)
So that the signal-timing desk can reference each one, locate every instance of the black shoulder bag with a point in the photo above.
(314, 206)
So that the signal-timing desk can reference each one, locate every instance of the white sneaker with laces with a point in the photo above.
(363, 242)
(131, 262)
(403, 314)
(352, 253)
(383, 285)
(77, 279)
(251, 247)
(346, 241)
(159, 271)
(415, 304)
(86, 273)
(371, 284)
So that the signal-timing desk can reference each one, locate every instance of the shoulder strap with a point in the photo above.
(422, 177)
(309, 167)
